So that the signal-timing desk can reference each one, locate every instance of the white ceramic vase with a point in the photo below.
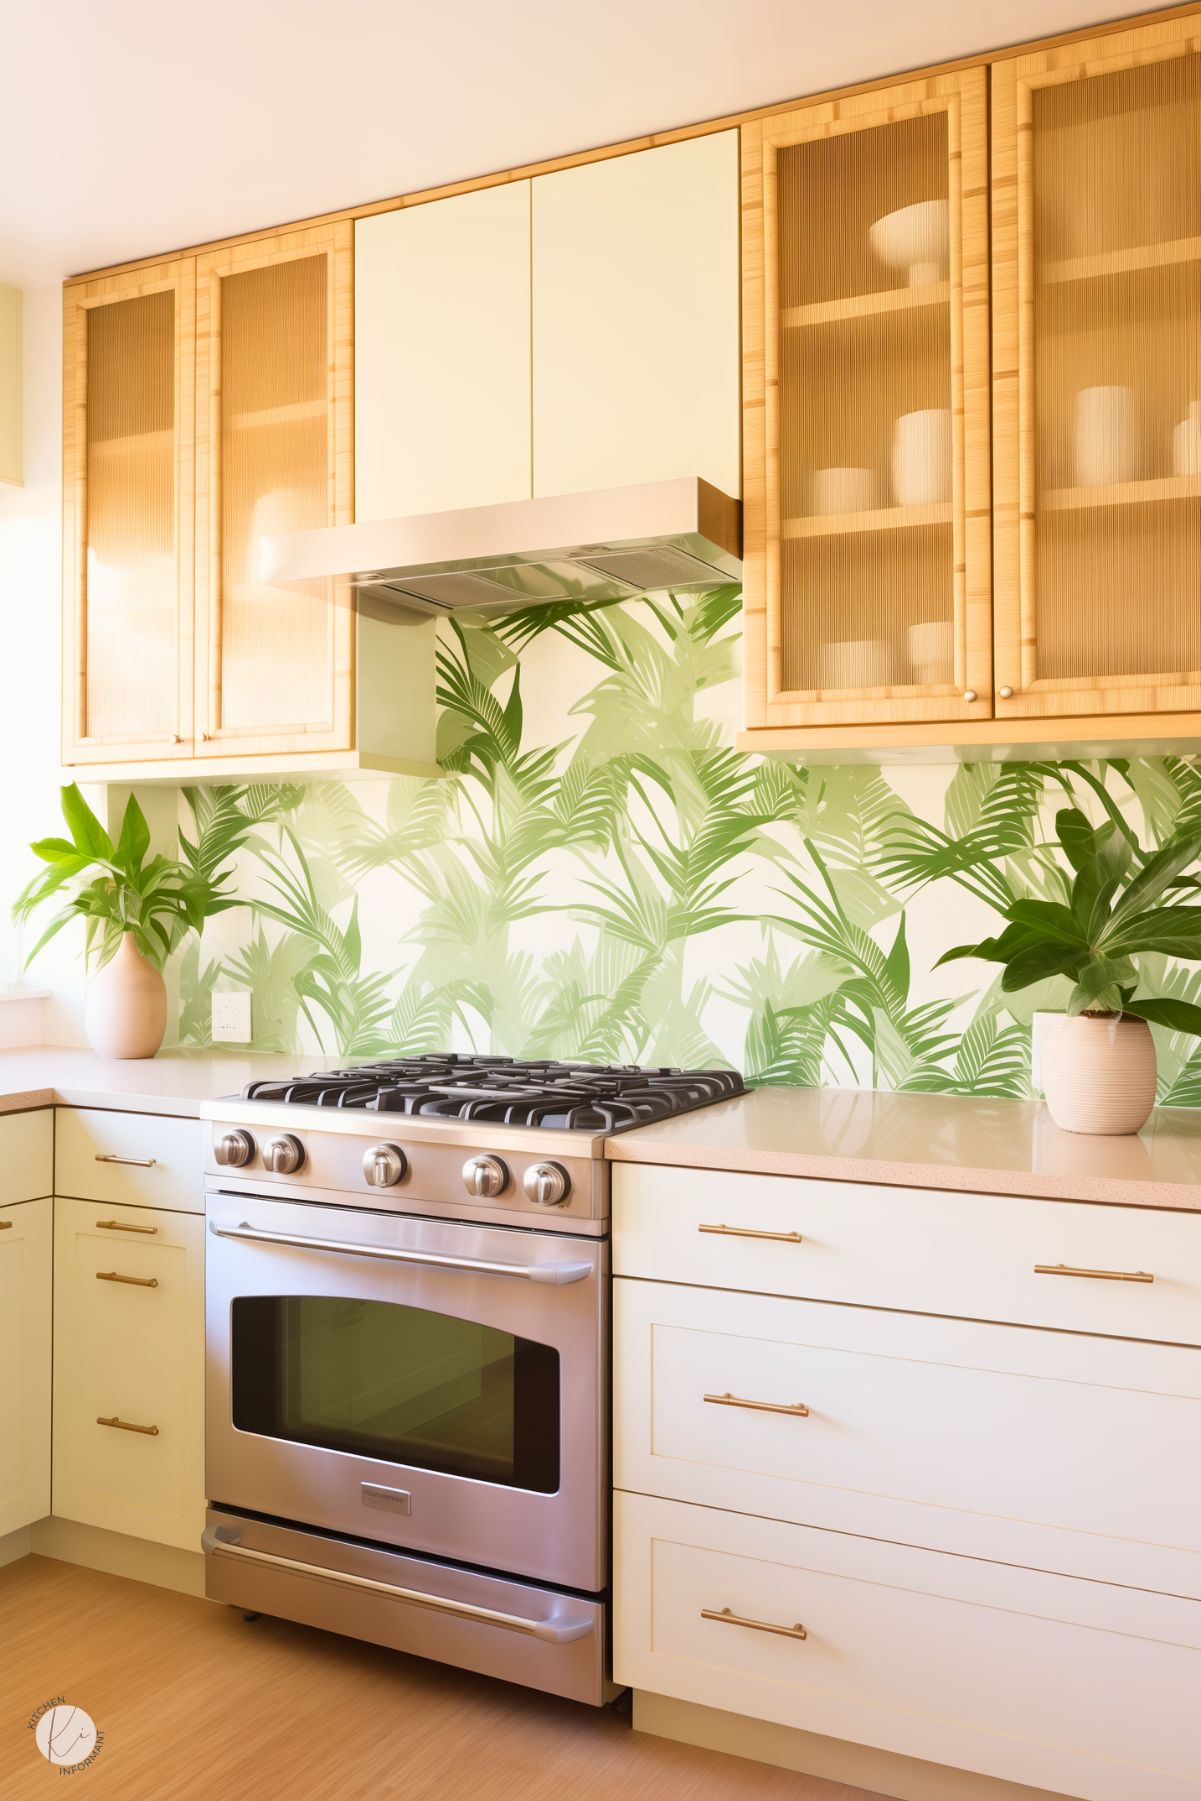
(1186, 442)
(1099, 1073)
(125, 1013)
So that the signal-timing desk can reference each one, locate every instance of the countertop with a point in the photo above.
(929, 1141)
(174, 1082)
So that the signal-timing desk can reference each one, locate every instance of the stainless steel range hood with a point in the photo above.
(605, 545)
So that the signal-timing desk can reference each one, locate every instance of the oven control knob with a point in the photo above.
(486, 1176)
(234, 1149)
(283, 1155)
(384, 1165)
(547, 1184)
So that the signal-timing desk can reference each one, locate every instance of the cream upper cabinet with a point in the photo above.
(442, 354)
(635, 319)
(127, 515)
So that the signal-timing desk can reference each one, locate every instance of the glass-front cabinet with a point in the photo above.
(1097, 361)
(866, 402)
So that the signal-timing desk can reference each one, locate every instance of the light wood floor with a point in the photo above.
(197, 1704)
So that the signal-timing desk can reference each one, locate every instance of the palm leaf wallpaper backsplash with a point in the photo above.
(602, 876)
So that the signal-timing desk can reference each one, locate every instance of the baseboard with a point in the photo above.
(95, 1548)
(885, 1773)
(14, 1546)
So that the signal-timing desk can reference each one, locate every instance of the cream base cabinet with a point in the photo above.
(25, 1291)
(129, 1370)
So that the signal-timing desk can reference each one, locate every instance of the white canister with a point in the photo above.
(1186, 442)
(922, 461)
(932, 652)
(843, 490)
(1104, 439)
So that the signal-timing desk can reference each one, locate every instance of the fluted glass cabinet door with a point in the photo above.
(866, 408)
(1097, 370)
(274, 452)
(127, 513)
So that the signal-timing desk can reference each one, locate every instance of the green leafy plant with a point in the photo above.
(1118, 902)
(117, 887)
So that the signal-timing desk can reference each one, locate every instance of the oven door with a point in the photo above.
(419, 1383)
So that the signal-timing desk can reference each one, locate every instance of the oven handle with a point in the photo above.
(546, 1630)
(557, 1273)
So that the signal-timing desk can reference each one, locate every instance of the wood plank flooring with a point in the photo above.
(196, 1704)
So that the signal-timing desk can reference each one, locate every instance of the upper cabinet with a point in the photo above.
(127, 515)
(866, 407)
(1097, 369)
(635, 322)
(442, 347)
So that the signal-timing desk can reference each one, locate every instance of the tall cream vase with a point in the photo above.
(125, 1013)
(1099, 1073)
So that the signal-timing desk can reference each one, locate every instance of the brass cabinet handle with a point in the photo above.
(725, 1618)
(110, 1275)
(1101, 1275)
(137, 1162)
(751, 1232)
(126, 1425)
(798, 1409)
(6, 1225)
(120, 1225)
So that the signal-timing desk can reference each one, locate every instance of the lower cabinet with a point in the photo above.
(1074, 1686)
(25, 1291)
(129, 1370)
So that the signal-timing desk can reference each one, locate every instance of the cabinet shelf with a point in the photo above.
(297, 412)
(865, 306)
(1174, 252)
(880, 519)
(1121, 494)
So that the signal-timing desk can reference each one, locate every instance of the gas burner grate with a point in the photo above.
(571, 1097)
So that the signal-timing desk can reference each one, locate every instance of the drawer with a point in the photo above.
(1078, 1687)
(26, 1156)
(1073, 1454)
(129, 1351)
(130, 1159)
(972, 1256)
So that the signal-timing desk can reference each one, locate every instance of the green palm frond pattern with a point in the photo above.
(600, 875)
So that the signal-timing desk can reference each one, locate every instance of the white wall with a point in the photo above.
(30, 559)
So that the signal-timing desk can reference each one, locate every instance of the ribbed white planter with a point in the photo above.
(125, 1013)
(1099, 1073)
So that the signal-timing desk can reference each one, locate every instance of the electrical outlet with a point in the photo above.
(231, 1017)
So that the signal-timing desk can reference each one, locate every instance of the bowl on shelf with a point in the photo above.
(917, 239)
(857, 663)
(843, 491)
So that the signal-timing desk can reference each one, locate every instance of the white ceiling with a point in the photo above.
(129, 127)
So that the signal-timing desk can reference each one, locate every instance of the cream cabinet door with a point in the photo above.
(25, 1248)
(129, 1371)
(442, 354)
(636, 299)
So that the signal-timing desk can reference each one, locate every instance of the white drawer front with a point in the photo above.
(26, 1156)
(1076, 1687)
(1073, 1454)
(134, 1159)
(927, 1251)
(129, 1347)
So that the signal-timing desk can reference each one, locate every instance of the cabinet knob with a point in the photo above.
(1005, 693)
(970, 694)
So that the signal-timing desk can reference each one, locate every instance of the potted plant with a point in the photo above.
(137, 908)
(1099, 1062)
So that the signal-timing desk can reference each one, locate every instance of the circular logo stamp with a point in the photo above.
(66, 1736)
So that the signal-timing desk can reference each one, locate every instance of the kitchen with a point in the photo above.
(616, 1202)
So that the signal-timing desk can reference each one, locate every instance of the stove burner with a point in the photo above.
(588, 1097)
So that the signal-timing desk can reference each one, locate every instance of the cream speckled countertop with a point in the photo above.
(173, 1082)
(929, 1141)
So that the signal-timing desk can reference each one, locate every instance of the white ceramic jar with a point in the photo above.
(1186, 442)
(922, 462)
(1104, 437)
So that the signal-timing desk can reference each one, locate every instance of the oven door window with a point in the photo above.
(398, 1384)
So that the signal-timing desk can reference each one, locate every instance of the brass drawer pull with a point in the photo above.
(798, 1409)
(1102, 1275)
(750, 1232)
(121, 1225)
(6, 1225)
(110, 1275)
(126, 1425)
(726, 1618)
(137, 1162)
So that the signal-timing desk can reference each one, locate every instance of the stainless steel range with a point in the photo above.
(408, 1354)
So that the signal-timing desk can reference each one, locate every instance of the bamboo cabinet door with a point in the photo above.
(866, 408)
(1097, 375)
(128, 343)
(274, 453)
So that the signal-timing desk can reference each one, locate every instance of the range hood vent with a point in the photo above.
(606, 545)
